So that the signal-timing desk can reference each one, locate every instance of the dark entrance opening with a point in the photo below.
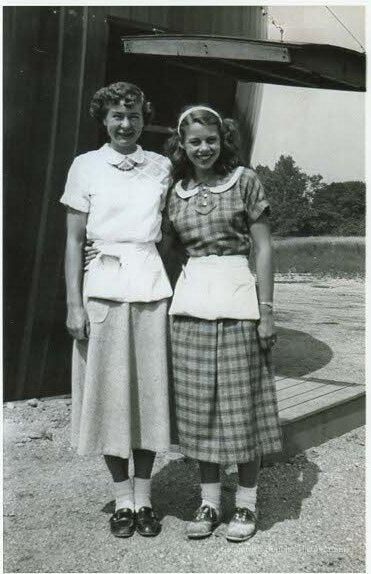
(169, 85)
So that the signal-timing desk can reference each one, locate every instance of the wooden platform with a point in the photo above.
(313, 410)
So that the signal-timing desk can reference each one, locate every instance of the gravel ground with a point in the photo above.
(321, 325)
(57, 505)
(56, 508)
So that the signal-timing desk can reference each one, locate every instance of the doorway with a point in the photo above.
(167, 82)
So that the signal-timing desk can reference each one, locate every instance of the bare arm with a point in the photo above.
(171, 250)
(77, 321)
(260, 232)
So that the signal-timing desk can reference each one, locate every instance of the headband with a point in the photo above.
(196, 109)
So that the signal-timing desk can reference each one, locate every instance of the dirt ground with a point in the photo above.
(321, 323)
(57, 505)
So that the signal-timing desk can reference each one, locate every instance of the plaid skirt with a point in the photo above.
(225, 396)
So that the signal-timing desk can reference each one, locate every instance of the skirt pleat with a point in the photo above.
(224, 391)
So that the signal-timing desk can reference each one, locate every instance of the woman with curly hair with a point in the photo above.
(222, 331)
(117, 313)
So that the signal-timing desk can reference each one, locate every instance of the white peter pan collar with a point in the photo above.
(186, 193)
(115, 158)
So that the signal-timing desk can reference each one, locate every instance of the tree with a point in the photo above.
(290, 193)
(339, 209)
(305, 205)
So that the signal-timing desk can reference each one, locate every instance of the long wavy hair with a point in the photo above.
(229, 157)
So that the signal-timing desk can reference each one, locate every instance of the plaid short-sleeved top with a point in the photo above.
(215, 220)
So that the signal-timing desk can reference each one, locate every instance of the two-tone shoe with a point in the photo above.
(204, 522)
(242, 526)
(123, 523)
(147, 522)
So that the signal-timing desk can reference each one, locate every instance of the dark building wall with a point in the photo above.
(45, 51)
(54, 60)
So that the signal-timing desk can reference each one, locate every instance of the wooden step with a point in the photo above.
(313, 410)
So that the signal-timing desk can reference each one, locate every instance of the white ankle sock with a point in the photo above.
(210, 493)
(123, 492)
(142, 492)
(246, 497)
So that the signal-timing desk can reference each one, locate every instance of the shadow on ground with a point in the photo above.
(282, 486)
(282, 489)
(297, 353)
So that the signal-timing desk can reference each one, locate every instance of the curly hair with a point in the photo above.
(229, 157)
(125, 92)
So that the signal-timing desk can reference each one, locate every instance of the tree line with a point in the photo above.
(304, 205)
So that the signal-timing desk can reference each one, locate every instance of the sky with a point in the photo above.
(323, 130)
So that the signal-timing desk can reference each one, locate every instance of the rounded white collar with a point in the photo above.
(186, 193)
(115, 158)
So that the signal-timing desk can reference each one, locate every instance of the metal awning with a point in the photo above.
(303, 65)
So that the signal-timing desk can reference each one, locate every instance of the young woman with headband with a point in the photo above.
(222, 331)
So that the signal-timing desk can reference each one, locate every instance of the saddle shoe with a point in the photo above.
(204, 522)
(242, 526)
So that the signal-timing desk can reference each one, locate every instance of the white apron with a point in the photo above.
(216, 287)
(127, 273)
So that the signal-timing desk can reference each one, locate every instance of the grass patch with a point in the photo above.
(328, 255)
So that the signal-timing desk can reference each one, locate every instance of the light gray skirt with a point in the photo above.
(120, 396)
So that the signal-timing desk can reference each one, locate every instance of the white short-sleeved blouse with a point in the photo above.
(123, 196)
(123, 205)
